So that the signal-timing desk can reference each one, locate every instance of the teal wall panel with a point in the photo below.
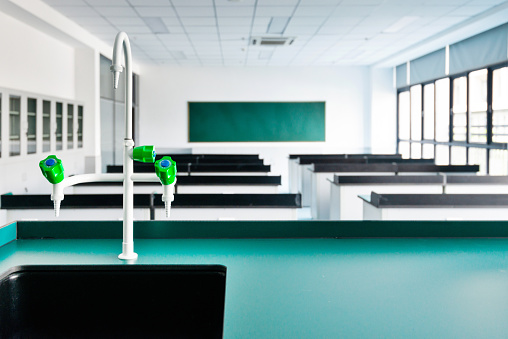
(256, 121)
(7, 233)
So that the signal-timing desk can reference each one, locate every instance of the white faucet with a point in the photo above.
(165, 168)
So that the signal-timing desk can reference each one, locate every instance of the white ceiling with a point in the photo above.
(217, 32)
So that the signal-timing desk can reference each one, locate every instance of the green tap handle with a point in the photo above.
(144, 154)
(165, 169)
(52, 169)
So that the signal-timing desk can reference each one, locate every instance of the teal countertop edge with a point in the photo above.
(253, 229)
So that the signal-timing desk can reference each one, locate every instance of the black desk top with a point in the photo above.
(345, 156)
(420, 179)
(213, 158)
(311, 160)
(208, 180)
(387, 179)
(333, 168)
(437, 200)
(43, 201)
(192, 167)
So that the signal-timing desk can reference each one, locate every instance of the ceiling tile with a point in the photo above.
(235, 4)
(234, 11)
(133, 29)
(277, 3)
(340, 30)
(92, 20)
(348, 11)
(102, 3)
(201, 29)
(195, 11)
(307, 20)
(155, 11)
(116, 11)
(232, 29)
(313, 11)
(274, 11)
(66, 2)
(203, 37)
(76, 11)
(149, 2)
(361, 2)
(293, 29)
(319, 2)
(175, 29)
(327, 31)
(130, 20)
(258, 21)
(469, 10)
(205, 21)
(240, 21)
(178, 3)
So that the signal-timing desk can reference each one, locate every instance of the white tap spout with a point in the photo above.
(168, 196)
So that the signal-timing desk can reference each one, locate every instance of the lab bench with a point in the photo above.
(312, 279)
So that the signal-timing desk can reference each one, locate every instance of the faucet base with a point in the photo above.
(128, 256)
(128, 252)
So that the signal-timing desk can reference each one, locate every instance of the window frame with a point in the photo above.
(489, 145)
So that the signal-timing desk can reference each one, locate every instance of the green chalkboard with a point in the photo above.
(256, 121)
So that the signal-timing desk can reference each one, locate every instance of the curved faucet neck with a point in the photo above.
(122, 40)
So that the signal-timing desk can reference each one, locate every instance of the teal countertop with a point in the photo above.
(319, 286)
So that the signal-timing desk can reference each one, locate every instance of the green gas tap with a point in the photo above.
(144, 154)
(165, 169)
(52, 169)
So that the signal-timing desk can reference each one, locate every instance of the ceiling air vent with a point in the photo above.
(272, 41)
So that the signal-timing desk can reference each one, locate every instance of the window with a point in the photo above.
(500, 105)
(428, 112)
(404, 150)
(478, 156)
(416, 113)
(443, 110)
(70, 126)
(442, 155)
(416, 150)
(59, 126)
(14, 126)
(31, 133)
(478, 106)
(460, 120)
(404, 127)
(460, 109)
(80, 126)
(428, 151)
(498, 162)
(458, 155)
(46, 126)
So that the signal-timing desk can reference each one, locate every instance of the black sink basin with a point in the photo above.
(117, 301)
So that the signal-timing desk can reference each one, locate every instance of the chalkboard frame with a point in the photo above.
(314, 130)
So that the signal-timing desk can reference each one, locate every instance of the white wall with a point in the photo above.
(383, 111)
(165, 91)
(33, 62)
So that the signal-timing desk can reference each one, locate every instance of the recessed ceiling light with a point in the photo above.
(277, 24)
(178, 55)
(156, 25)
(265, 55)
(400, 24)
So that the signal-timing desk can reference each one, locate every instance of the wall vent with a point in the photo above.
(272, 41)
